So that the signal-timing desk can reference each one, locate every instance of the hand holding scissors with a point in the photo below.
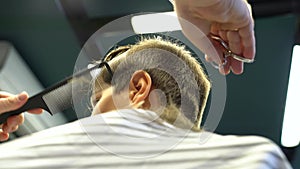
(227, 53)
(230, 20)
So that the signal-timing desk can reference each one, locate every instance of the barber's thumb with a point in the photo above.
(13, 102)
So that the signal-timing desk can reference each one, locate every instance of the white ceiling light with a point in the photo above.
(156, 22)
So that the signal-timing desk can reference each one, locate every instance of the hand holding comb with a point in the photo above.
(53, 99)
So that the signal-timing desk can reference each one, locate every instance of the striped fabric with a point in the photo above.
(137, 139)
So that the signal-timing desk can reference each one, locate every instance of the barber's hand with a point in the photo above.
(9, 102)
(230, 19)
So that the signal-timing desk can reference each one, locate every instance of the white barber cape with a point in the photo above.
(137, 139)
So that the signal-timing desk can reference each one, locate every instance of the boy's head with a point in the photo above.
(156, 75)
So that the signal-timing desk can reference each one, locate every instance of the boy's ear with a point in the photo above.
(139, 87)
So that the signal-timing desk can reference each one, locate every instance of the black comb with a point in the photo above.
(55, 98)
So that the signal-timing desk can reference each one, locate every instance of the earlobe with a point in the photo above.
(139, 87)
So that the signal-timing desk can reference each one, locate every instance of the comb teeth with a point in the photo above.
(59, 99)
(56, 98)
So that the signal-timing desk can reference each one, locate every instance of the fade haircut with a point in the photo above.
(152, 55)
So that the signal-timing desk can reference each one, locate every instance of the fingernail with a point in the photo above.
(22, 96)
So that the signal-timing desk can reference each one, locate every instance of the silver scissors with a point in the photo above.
(228, 52)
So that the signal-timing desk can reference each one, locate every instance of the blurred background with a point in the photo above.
(40, 42)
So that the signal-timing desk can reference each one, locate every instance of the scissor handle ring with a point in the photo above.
(237, 57)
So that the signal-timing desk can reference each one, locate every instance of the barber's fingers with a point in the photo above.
(247, 37)
(223, 35)
(9, 129)
(216, 30)
(3, 136)
(9, 103)
(12, 123)
(248, 41)
(4, 94)
(245, 28)
(239, 18)
(234, 41)
(35, 111)
(236, 66)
